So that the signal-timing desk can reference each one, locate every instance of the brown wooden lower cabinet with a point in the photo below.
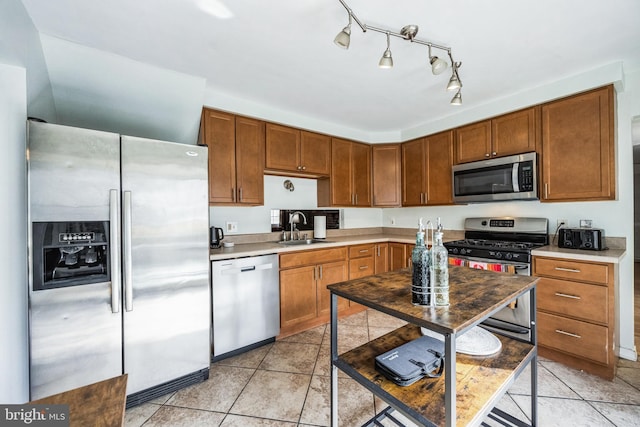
(304, 297)
(399, 255)
(381, 263)
(575, 313)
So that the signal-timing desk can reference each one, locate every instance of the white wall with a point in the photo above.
(257, 219)
(14, 363)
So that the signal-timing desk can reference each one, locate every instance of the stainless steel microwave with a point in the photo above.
(501, 179)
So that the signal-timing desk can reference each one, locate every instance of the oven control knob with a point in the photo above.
(454, 250)
(498, 255)
(463, 251)
(509, 255)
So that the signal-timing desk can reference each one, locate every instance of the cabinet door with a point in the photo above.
(219, 135)
(413, 173)
(439, 157)
(282, 148)
(514, 133)
(578, 160)
(341, 167)
(398, 257)
(297, 295)
(386, 174)
(315, 153)
(250, 161)
(328, 274)
(381, 258)
(473, 142)
(361, 173)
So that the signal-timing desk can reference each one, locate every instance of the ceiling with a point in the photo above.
(159, 61)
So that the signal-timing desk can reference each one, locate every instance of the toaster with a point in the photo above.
(581, 238)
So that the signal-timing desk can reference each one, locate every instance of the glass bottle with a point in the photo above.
(421, 278)
(440, 269)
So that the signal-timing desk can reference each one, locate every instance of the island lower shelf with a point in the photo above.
(480, 380)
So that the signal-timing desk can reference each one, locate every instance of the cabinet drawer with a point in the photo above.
(297, 259)
(361, 267)
(573, 336)
(588, 302)
(358, 251)
(571, 270)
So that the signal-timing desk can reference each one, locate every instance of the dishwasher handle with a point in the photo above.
(247, 269)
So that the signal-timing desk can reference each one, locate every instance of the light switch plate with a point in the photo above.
(585, 223)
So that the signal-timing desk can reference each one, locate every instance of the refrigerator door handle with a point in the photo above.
(126, 249)
(114, 231)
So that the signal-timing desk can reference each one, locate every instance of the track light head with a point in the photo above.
(344, 37)
(457, 98)
(454, 82)
(386, 61)
(437, 65)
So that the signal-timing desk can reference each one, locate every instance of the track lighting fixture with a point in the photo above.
(386, 61)
(408, 33)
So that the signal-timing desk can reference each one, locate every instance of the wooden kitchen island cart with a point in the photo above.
(471, 386)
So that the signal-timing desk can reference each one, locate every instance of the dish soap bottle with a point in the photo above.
(421, 278)
(440, 268)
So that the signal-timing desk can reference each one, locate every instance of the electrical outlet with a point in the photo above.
(563, 222)
(232, 226)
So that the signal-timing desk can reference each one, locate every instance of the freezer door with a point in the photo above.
(71, 171)
(75, 333)
(165, 261)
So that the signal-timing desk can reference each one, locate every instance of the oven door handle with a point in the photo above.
(516, 265)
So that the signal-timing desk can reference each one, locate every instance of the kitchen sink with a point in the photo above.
(302, 242)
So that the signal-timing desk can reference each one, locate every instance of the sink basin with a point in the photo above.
(302, 242)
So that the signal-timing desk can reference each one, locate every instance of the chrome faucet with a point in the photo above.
(295, 219)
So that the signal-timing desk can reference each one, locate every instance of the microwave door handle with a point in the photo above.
(514, 177)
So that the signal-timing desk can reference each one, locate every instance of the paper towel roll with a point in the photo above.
(319, 227)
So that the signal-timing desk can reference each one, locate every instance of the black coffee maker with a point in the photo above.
(215, 237)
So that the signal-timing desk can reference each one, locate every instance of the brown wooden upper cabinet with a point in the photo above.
(350, 181)
(426, 170)
(578, 161)
(386, 174)
(297, 152)
(236, 158)
(509, 134)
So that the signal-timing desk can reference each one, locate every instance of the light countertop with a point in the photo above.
(613, 255)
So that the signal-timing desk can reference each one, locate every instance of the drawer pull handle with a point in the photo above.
(558, 294)
(364, 267)
(364, 250)
(560, 331)
(570, 270)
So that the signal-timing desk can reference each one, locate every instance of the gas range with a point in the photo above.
(504, 238)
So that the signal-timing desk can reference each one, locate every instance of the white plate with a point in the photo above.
(227, 244)
(475, 342)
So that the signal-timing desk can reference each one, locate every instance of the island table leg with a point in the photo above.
(334, 357)
(450, 379)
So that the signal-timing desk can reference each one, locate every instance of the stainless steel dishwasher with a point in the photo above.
(246, 303)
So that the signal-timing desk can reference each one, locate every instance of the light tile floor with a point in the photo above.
(287, 383)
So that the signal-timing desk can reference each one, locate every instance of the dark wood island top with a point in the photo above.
(473, 295)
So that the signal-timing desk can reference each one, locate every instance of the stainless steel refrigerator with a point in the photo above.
(119, 261)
